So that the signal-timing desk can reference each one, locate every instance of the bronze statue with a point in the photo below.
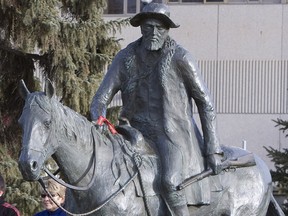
(158, 80)
(158, 164)
(108, 175)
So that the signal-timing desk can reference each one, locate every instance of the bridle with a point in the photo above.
(83, 188)
(70, 186)
(92, 161)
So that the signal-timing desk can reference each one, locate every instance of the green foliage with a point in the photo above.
(280, 175)
(23, 194)
(65, 40)
(280, 159)
(282, 124)
(113, 114)
(68, 38)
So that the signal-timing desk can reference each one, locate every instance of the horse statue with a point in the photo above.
(112, 175)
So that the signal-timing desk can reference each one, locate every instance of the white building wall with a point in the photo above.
(284, 38)
(257, 130)
(234, 32)
(227, 31)
(198, 29)
(250, 31)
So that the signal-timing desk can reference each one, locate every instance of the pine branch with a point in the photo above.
(19, 52)
(283, 124)
(280, 175)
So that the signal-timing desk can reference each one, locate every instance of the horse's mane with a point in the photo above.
(70, 123)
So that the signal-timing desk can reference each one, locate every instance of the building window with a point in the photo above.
(131, 6)
(115, 7)
(125, 6)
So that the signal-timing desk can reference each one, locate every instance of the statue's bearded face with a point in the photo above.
(154, 34)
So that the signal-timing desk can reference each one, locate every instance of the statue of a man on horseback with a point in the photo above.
(120, 174)
(158, 80)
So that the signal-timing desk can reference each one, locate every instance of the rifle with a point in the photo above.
(242, 161)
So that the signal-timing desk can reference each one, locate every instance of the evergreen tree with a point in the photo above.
(280, 159)
(67, 40)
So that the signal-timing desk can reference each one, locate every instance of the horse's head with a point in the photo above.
(37, 142)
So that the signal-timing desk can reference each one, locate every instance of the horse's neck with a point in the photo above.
(79, 168)
(77, 149)
(79, 162)
(76, 145)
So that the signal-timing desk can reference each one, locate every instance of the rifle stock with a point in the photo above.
(242, 161)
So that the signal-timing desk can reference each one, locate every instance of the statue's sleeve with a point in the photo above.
(110, 85)
(196, 89)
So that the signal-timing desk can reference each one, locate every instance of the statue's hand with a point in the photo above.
(101, 128)
(215, 162)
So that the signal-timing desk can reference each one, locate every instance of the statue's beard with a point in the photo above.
(153, 45)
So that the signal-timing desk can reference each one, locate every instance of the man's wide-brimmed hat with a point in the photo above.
(154, 11)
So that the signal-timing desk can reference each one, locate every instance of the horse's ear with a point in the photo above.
(23, 90)
(49, 89)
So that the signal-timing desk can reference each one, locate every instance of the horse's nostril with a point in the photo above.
(34, 165)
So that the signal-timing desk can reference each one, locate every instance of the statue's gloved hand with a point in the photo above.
(102, 124)
(102, 128)
(215, 163)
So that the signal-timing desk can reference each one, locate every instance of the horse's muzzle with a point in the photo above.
(30, 167)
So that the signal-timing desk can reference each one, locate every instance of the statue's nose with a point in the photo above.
(29, 168)
(33, 165)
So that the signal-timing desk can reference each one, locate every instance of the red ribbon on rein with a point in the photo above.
(102, 120)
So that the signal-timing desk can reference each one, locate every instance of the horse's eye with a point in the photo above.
(47, 124)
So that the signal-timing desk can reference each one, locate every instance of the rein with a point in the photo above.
(138, 163)
(82, 188)
(97, 208)
(69, 185)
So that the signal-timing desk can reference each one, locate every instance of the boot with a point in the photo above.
(176, 201)
(180, 210)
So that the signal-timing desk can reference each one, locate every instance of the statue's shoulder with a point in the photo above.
(180, 50)
(130, 48)
(126, 55)
(182, 54)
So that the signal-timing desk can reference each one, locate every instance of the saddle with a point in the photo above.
(149, 167)
(150, 172)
